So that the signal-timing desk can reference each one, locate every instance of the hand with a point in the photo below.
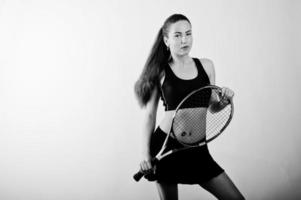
(148, 170)
(227, 94)
(146, 166)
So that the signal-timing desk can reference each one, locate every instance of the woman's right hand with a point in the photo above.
(148, 170)
(146, 166)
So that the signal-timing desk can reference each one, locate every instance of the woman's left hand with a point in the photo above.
(227, 93)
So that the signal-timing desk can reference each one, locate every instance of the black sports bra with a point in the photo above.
(174, 89)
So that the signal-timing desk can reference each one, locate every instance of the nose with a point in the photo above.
(184, 39)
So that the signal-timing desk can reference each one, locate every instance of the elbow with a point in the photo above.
(212, 109)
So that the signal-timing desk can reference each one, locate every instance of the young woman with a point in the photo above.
(170, 73)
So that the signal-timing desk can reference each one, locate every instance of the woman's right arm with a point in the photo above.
(149, 124)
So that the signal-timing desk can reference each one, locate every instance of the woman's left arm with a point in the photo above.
(216, 104)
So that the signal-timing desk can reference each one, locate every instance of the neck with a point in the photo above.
(180, 60)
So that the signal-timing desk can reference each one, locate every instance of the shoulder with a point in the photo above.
(208, 65)
(209, 69)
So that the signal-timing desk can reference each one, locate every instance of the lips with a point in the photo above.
(185, 47)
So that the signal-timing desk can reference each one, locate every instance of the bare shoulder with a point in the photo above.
(208, 65)
(209, 69)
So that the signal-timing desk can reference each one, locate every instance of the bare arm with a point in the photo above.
(216, 104)
(149, 122)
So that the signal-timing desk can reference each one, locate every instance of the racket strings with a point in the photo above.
(216, 121)
(194, 122)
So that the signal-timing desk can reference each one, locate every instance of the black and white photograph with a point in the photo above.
(152, 100)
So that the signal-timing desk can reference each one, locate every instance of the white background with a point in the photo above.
(70, 126)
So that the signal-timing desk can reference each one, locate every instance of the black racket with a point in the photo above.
(199, 118)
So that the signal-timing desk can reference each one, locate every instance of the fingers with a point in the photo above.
(146, 167)
(148, 170)
(227, 93)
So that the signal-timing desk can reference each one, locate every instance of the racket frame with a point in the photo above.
(160, 154)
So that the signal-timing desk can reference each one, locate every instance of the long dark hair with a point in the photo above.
(157, 60)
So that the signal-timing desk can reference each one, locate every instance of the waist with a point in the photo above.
(166, 122)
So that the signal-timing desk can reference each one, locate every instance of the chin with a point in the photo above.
(183, 53)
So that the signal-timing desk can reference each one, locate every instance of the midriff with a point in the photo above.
(166, 122)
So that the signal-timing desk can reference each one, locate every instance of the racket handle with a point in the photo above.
(138, 176)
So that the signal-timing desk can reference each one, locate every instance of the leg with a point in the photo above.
(167, 191)
(223, 188)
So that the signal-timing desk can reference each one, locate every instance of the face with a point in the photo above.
(179, 39)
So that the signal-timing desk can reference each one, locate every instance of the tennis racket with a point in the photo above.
(198, 119)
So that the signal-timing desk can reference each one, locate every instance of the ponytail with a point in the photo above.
(150, 76)
(155, 64)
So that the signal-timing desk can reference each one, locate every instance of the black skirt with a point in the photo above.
(192, 166)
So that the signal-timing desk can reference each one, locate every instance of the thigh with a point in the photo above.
(222, 187)
(167, 191)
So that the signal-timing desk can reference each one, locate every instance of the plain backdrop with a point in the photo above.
(70, 126)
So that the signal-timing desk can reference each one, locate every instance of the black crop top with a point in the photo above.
(175, 89)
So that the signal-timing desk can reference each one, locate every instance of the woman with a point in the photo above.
(170, 72)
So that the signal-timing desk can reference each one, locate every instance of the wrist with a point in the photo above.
(146, 155)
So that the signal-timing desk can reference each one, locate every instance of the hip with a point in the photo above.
(158, 137)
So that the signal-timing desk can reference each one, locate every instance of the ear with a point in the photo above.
(166, 41)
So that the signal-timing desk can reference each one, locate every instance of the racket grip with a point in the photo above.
(138, 176)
